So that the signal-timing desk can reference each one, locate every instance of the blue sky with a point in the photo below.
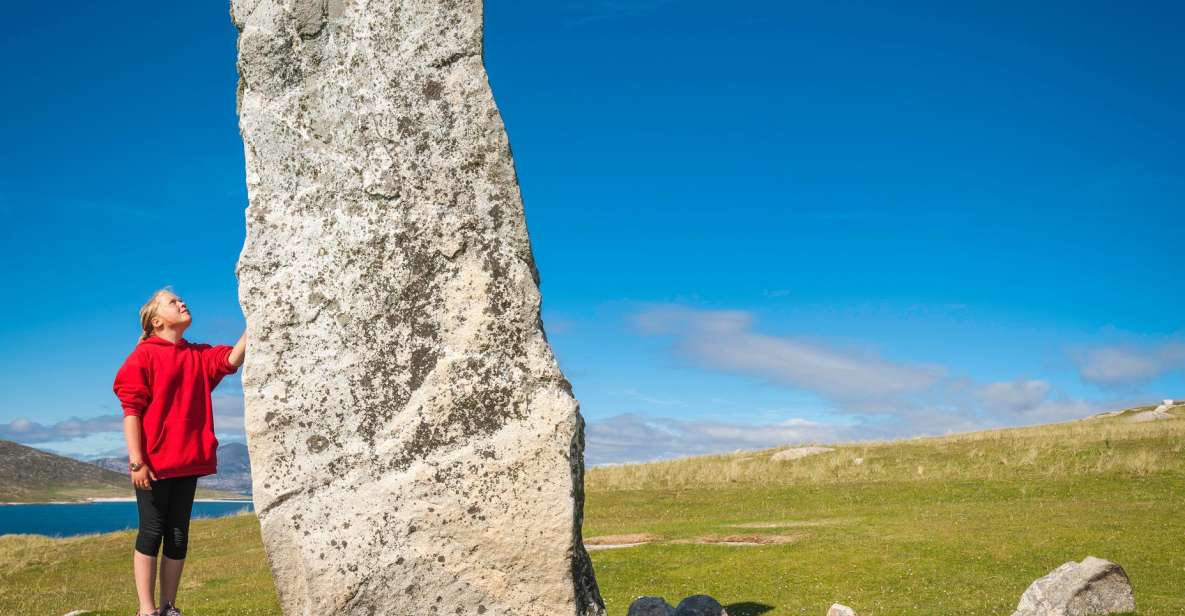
(755, 223)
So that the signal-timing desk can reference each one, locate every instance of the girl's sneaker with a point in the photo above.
(169, 609)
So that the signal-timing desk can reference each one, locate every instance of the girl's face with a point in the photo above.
(171, 312)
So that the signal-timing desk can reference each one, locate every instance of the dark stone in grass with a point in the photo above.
(650, 606)
(700, 605)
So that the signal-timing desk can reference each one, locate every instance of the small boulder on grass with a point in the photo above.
(700, 605)
(1091, 587)
(838, 609)
(650, 606)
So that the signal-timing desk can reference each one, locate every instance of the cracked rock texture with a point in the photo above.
(1091, 587)
(414, 446)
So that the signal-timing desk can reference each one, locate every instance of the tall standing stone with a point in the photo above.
(414, 446)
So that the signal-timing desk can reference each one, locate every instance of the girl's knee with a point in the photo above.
(148, 542)
(177, 544)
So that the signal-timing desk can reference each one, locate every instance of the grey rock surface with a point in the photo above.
(1093, 586)
(414, 447)
(650, 606)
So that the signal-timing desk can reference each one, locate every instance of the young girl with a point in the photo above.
(164, 387)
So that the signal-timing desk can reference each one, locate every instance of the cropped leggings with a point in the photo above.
(164, 516)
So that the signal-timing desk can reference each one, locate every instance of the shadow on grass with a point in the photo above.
(747, 608)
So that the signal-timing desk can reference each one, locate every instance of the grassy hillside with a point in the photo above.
(29, 475)
(1098, 446)
(953, 525)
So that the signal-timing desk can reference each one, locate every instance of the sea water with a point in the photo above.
(69, 519)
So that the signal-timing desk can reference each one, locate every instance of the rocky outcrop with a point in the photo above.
(415, 448)
(1093, 586)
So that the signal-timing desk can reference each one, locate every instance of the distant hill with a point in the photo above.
(1141, 441)
(28, 474)
(234, 469)
(31, 475)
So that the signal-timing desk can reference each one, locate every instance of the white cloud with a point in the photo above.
(24, 430)
(724, 340)
(100, 444)
(637, 438)
(1013, 396)
(76, 434)
(887, 399)
(229, 415)
(1028, 401)
(1126, 365)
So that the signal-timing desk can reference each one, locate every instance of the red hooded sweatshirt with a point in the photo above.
(168, 386)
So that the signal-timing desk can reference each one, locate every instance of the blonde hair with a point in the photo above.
(148, 312)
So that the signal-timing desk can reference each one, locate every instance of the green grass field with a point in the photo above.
(952, 525)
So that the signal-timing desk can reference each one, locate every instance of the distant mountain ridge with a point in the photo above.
(29, 475)
(234, 468)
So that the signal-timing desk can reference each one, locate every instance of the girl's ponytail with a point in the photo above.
(148, 312)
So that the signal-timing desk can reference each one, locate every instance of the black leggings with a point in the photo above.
(164, 516)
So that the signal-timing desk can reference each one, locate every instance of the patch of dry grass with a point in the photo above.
(620, 539)
(742, 539)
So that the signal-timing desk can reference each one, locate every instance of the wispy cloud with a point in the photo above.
(1013, 396)
(885, 398)
(1123, 366)
(24, 430)
(229, 415)
(637, 438)
(558, 325)
(1027, 401)
(725, 340)
(228, 422)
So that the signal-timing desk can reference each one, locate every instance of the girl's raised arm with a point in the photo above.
(239, 352)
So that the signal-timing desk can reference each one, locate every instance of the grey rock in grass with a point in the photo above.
(1093, 586)
(650, 606)
(838, 609)
(415, 448)
(699, 605)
